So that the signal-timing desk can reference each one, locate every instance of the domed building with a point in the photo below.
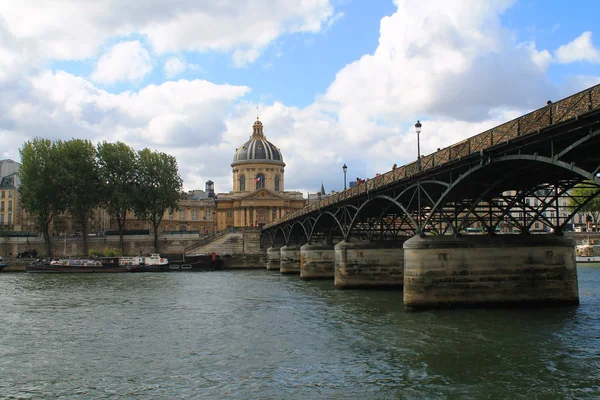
(258, 195)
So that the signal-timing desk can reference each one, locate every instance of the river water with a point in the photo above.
(261, 335)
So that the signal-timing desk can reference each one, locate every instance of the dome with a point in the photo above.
(258, 149)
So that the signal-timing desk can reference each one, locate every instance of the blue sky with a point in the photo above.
(335, 81)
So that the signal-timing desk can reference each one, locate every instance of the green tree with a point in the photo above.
(118, 171)
(158, 188)
(41, 189)
(82, 184)
(584, 198)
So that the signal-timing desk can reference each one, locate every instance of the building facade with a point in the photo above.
(258, 195)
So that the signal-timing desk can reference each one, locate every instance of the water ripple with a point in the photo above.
(256, 334)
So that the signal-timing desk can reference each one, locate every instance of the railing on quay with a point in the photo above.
(549, 115)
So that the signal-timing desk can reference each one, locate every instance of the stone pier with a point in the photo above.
(290, 259)
(273, 258)
(368, 265)
(317, 261)
(502, 270)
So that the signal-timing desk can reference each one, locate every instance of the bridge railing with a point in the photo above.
(551, 114)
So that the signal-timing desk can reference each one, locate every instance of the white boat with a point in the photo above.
(152, 259)
(587, 252)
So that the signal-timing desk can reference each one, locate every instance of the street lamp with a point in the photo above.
(345, 168)
(418, 130)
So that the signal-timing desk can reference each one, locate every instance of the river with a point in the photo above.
(261, 335)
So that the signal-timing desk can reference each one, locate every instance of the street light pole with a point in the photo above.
(418, 130)
(345, 168)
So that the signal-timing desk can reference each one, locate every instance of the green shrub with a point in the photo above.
(94, 253)
(112, 252)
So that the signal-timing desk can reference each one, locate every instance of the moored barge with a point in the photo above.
(79, 265)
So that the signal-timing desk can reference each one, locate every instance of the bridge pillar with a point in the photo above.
(273, 258)
(366, 265)
(503, 270)
(290, 259)
(317, 261)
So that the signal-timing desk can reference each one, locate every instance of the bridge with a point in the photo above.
(413, 226)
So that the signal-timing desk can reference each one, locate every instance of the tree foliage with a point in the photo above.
(585, 198)
(81, 179)
(158, 188)
(41, 189)
(118, 170)
(77, 177)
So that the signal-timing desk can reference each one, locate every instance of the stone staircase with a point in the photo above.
(230, 243)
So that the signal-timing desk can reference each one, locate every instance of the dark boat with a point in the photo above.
(86, 265)
(2, 264)
(194, 262)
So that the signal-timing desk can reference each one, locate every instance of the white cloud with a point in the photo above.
(76, 29)
(580, 49)
(125, 61)
(183, 118)
(175, 66)
(449, 63)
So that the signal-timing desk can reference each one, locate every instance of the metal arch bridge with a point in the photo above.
(507, 178)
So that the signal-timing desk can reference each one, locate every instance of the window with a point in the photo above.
(242, 183)
(10, 205)
(9, 219)
(1, 219)
(3, 194)
(171, 214)
(208, 215)
(10, 194)
(182, 215)
(2, 206)
(277, 183)
(229, 213)
(260, 181)
(195, 215)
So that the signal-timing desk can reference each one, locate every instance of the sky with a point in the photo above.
(334, 81)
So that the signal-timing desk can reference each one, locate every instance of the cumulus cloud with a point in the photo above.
(580, 49)
(180, 118)
(175, 66)
(450, 64)
(440, 59)
(76, 29)
(125, 61)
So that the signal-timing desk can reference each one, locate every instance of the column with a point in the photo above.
(482, 271)
(274, 258)
(317, 261)
(290, 259)
(364, 264)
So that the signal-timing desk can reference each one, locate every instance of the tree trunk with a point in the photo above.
(85, 239)
(121, 226)
(47, 240)
(155, 228)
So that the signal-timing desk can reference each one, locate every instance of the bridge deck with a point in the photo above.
(552, 115)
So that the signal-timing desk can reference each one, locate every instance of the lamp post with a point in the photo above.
(418, 130)
(345, 168)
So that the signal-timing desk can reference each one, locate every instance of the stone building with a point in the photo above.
(258, 195)
(12, 217)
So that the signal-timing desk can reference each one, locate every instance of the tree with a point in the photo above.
(118, 170)
(158, 188)
(41, 189)
(81, 177)
(584, 198)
